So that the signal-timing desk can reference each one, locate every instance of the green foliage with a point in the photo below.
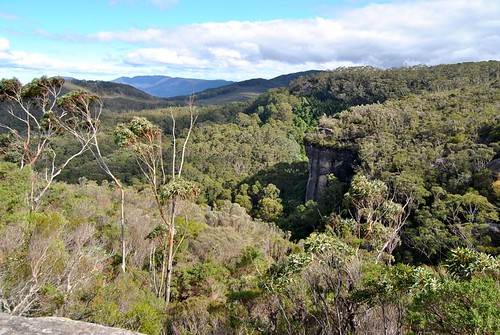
(261, 202)
(244, 200)
(203, 279)
(464, 263)
(423, 138)
(457, 307)
(39, 89)
(452, 220)
(76, 101)
(280, 276)
(221, 156)
(336, 90)
(125, 303)
(198, 315)
(431, 151)
(289, 178)
(367, 198)
(37, 114)
(496, 190)
(249, 258)
(395, 284)
(51, 299)
(179, 188)
(13, 190)
(269, 209)
(9, 88)
(274, 104)
(139, 134)
(304, 219)
(10, 148)
(47, 222)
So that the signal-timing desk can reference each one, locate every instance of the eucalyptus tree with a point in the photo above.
(377, 218)
(33, 117)
(145, 139)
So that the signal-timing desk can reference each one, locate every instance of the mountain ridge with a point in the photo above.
(245, 90)
(166, 87)
(123, 95)
(117, 96)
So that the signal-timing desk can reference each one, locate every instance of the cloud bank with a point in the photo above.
(381, 35)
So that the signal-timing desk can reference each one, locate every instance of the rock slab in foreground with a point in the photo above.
(18, 325)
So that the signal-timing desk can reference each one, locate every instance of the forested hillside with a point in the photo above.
(194, 219)
(245, 90)
(117, 97)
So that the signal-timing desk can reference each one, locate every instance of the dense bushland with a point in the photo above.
(408, 245)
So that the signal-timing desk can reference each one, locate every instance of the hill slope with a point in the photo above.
(244, 90)
(117, 97)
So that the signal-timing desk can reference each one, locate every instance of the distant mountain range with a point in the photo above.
(167, 87)
(138, 93)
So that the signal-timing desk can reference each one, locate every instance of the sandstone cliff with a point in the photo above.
(324, 161)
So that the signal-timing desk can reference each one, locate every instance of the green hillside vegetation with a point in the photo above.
(408, 245)
(117, 97)
(431, 150)
(244, 90)
(333, 91)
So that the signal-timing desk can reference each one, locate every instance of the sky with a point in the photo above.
(238, 39)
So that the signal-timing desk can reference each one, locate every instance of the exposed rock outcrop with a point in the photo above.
(494, 167)
(324, 161)
(18, 325)
(494, 227)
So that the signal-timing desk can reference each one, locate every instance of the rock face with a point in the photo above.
(18, 325)
(494, 167)
(494, 227)
(325, 161)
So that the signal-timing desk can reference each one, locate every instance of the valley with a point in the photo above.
(358, 200)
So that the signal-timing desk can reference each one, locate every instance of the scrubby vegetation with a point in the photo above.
(408, 245)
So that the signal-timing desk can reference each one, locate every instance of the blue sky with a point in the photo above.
(238, 40)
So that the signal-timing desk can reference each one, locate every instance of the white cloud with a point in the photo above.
(162, 56)
(4, 44)
(26, 66)
(130, 36)
(382, 35)
(21, 59)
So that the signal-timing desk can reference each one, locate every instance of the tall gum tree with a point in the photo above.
(32, 117)
(145, 139)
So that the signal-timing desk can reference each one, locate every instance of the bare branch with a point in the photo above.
(191, 126)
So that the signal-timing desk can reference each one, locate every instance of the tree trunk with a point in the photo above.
(171, 234)
(122, 224)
